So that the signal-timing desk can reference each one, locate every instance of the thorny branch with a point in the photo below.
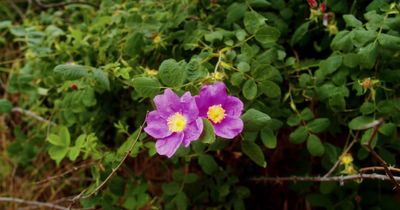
(32, 115)
(113, 171)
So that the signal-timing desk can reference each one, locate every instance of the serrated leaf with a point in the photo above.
(249, 89)
(318, 125)
(306, 114)
(101, 79)
(359, 122)
(208, 164)
(172, 73)
(254, 152)
(254, 120)
(73, 153)
(300, 32)
(208, 135)
(58, 153)
(270, 89)
(55, 140)
(253, 21)
(71, 71)
(65, 138)
(146, 86)
(314, 146)
(352, 21)
(267, 34)
(299, 135)
(268, 138)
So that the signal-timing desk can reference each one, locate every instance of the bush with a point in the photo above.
(318, 81)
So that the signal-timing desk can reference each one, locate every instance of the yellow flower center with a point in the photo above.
(346, 159)
(216, 113)
(176, 122)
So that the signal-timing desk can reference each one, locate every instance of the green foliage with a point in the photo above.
(308, 88)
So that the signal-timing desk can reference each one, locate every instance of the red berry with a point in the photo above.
(322, 7)
(312, 3)
(74, 86)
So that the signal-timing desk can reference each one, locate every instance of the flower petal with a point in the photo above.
(193, 131)
(233, 106)
(189, 107)
(167, 103)
(210, 95)
(168, 146)
(229, 127)
(156, 126)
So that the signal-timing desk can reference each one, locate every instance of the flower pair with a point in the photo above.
(178, 120)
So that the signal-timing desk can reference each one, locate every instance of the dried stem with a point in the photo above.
(62, 4)
(376, 126)
(32, 115)
(340, 179)
(344, 152)
(378, 168)
(33, 203)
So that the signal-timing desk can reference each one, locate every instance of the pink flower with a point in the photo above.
(176, 121)
(322, 7)
(221, 110)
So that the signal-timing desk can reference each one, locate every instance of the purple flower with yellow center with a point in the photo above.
(176, 121)
(221, 110)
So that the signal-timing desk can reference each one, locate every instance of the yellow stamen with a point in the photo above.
(346, 159)
(176, 122)
(216, 113)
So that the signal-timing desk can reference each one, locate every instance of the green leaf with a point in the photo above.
(368, 55)
(254, 152)
(359, 122)
(71, 71)
(337, 103)
(253, 21)
(352, 21)
(243, 67)
(299, 135)
(250, 89)
(318, 125)
(55, 140)
(134, 45)
(254, 120)
(270, 89)
(268, 138)
(58, 153)
(146, 86)
(181, 201)
(237, 78)
(172, 73)
(331, 64)
(207, 164)
(314, 146)
(5, 106)
(389, 41)
(73, 153)
(300, 32)
(101, 79)
(342, 41)
(214, 36)
(65, 138)
(170, 188)
(208, 135)
(367, 108)
(388, 129)
(306, 114)
(367, 136)
(267, 34)
(235, 12)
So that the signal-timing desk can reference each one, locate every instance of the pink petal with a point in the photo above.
(210, 95)
(188, 107)
(168, 146)
(233, 106)
(156, 126)
(193, 131)
(167, 103)
(229, 127)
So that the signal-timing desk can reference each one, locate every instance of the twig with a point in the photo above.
(340, 179)
(32, 115)
(75, 168)
(62, 4)
(378, 168)
(35, 203)
(344, 152)
(16, 8)
(377, 157)
(114, 170)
